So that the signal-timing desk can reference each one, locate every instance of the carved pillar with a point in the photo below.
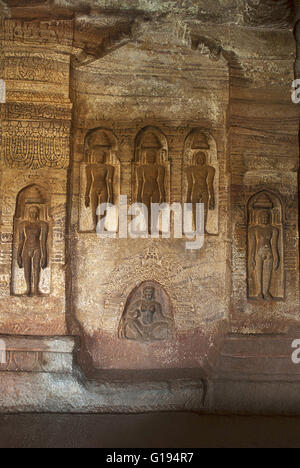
(36, 122)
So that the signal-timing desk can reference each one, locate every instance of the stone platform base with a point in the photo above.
(39, 375)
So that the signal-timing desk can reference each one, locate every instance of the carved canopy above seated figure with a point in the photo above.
(265, 247)
(147, 315)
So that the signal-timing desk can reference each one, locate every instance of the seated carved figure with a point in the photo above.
(32, 250)
(264, 253)
(145, 320)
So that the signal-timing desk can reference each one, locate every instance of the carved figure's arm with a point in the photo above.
(110, 185)
(252, 248)
(140, 182)
(21, 235)
(161, 184)
(44, 239)
(210, 183)
(89, 181)
(190, 181)
(275, 249)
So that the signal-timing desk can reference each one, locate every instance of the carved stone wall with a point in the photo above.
(106, 271)
(35, 151)
(177, 102)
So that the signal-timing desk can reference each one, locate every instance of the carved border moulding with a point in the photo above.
(100, 174)
(35, 67)
(35, 144)
(147, 316)
(32, 241)
(201, 167)
(265, 254)
(39, 31)
(28, 111)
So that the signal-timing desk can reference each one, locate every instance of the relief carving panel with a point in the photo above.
(30, 266)
(265, 247)
(201, 176)
(100, 178)
(147, 314)
(151, 171)
(33, 145)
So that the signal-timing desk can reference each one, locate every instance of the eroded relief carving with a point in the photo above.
(201, 174)
(265, 247)
(34, 145)
(147, 315)
(35, 67)
(151, 171)
(31, 243)
(32, 250)
(100, 177)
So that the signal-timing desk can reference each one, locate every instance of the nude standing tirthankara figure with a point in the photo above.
(99, 188)
(264, 253)
(32, 250)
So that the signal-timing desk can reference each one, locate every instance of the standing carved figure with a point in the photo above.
(200, 179)
(32, 250)
(151, 184)
(264, 253)
(99, 188)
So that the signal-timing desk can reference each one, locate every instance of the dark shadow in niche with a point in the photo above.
(147, 315)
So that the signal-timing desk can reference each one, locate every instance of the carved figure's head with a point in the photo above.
(264, 217)
(200, 158)
(34, 213)
(150, 156)
(98, 155)
(149, 293)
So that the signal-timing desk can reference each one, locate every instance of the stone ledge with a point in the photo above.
(36, 354)
(59, 393)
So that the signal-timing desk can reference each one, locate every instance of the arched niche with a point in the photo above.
(33, 197)
(265, 234)
(147, 315)
(200, 141)
(151, 139)
(100, 167)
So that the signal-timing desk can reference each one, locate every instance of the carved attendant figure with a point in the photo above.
(264, 253)
(201, 186)
(32, 250)
(151, 184)
(99, 188)
(145, 320)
